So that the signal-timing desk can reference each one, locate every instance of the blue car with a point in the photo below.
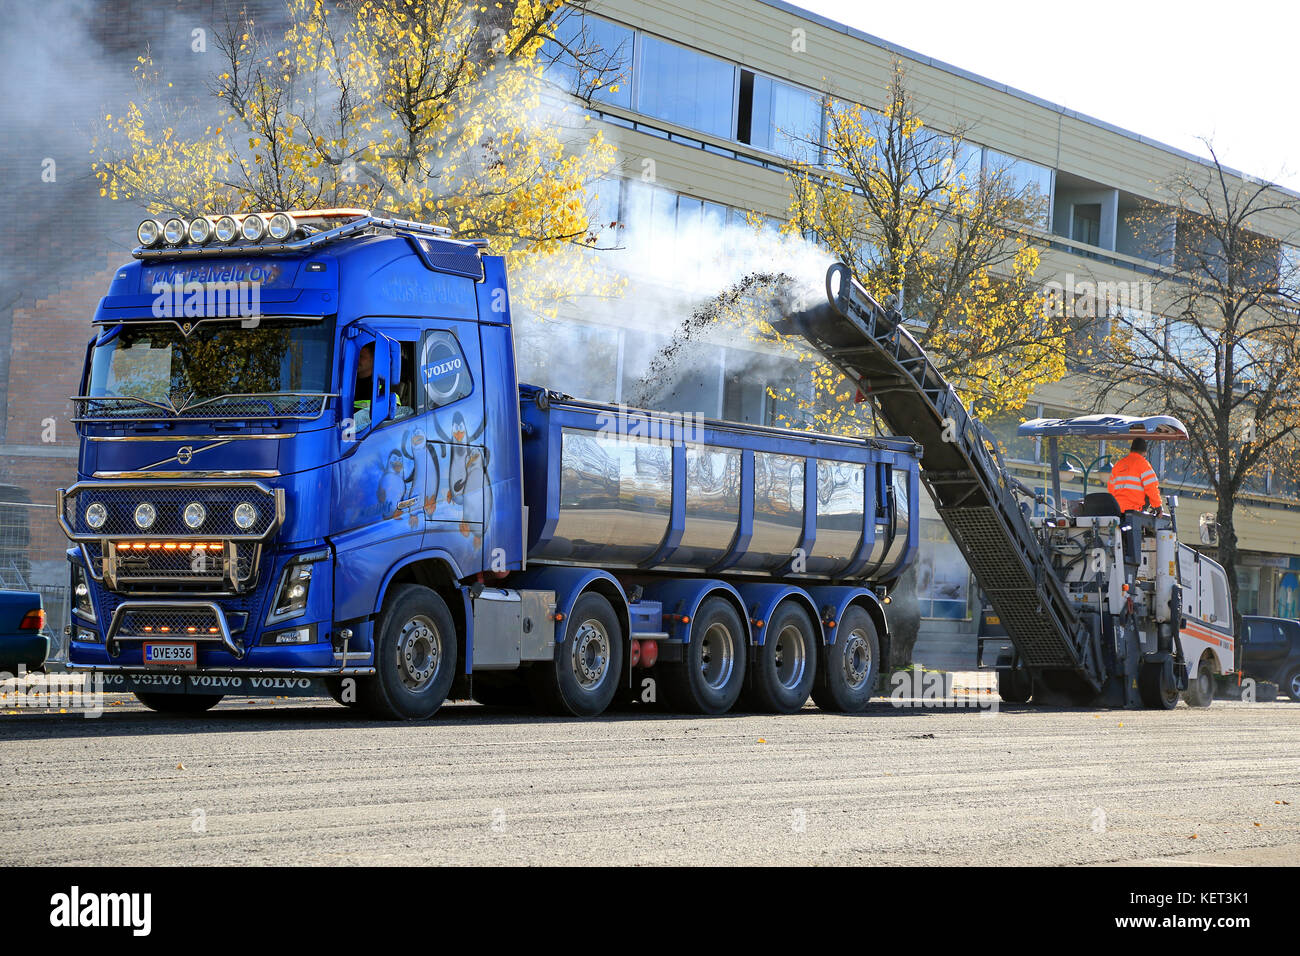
(22, 631)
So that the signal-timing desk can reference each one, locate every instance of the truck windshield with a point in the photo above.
(216, 370)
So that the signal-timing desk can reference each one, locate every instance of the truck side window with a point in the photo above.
(405, 386)
(364, 386)
(443, 369)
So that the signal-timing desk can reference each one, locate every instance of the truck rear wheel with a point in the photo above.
(709, 677)
(1015, 686)
(785, 665)
(847, 671)
(178, 703)
(415, 656)
(1200, 690)
(583, 677)
(1157, 687)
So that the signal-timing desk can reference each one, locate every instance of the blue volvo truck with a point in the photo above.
(306, 466)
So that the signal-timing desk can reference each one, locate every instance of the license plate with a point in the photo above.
(992, 621)
(177, 655)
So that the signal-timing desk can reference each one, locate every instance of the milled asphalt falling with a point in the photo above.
(306, 781)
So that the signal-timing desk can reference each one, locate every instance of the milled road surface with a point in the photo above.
(294, 781)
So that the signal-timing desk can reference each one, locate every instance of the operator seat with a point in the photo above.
(1100, 504)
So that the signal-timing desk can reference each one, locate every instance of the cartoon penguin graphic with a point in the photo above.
(460, 477)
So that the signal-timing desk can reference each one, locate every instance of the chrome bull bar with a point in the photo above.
(218, 631)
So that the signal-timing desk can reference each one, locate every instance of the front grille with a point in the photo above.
(191, 624)
(181, 563)
(169, 501)
(238, 609)
(305, 406)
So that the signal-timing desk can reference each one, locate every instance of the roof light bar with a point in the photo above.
(278, 231)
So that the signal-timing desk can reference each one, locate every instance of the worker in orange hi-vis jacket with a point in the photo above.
(1133, 481)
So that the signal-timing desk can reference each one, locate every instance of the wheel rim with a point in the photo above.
(1295, 686)
(857, 660)
(1206, 680)
(717, 656)
(419, 652)
(790, 654)
(590, 654)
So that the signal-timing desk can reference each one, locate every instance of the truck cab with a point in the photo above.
(245, 475)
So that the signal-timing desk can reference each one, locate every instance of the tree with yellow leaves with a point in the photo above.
(432, 110)
(925, 229)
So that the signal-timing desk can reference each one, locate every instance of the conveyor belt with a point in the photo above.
(969, 485)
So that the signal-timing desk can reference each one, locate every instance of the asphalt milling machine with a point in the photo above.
(1100, 607)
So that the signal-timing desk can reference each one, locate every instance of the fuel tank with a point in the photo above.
(618, 488)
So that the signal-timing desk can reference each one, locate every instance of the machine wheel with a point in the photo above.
(584, 676)
(1015, 686)
(178, 703)
(1200, 692)
(1157, 687)
(415, 656)
(1292, 686)
(709, 677)
(785, 664)
(847, 670)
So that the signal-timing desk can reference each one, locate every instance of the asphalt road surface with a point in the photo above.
(305, 781)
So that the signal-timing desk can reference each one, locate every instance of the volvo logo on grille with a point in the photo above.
(184, 454)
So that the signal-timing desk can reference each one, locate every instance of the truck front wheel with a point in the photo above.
(709, 677)
(178, 703)
(582, 679)
(846, 674)
(415, 656)
(785, 664)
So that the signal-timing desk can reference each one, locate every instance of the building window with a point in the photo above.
(943, 579)
(1030, 183)
(591, 58)
(686, 87)
(1086, 225)
(779, 117)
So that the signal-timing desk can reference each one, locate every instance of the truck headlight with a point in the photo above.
(200, 230)
(81, 601)
(226, 229)
(245, 516)
(194, 515)
(145, 515)
(149, 232)
(253, 228)
(291, 598)
(96, 515)
(280, 226)
(174, 232)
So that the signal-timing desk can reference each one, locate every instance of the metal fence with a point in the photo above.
(32, 558)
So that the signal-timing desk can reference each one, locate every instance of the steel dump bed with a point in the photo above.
(624, 488)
